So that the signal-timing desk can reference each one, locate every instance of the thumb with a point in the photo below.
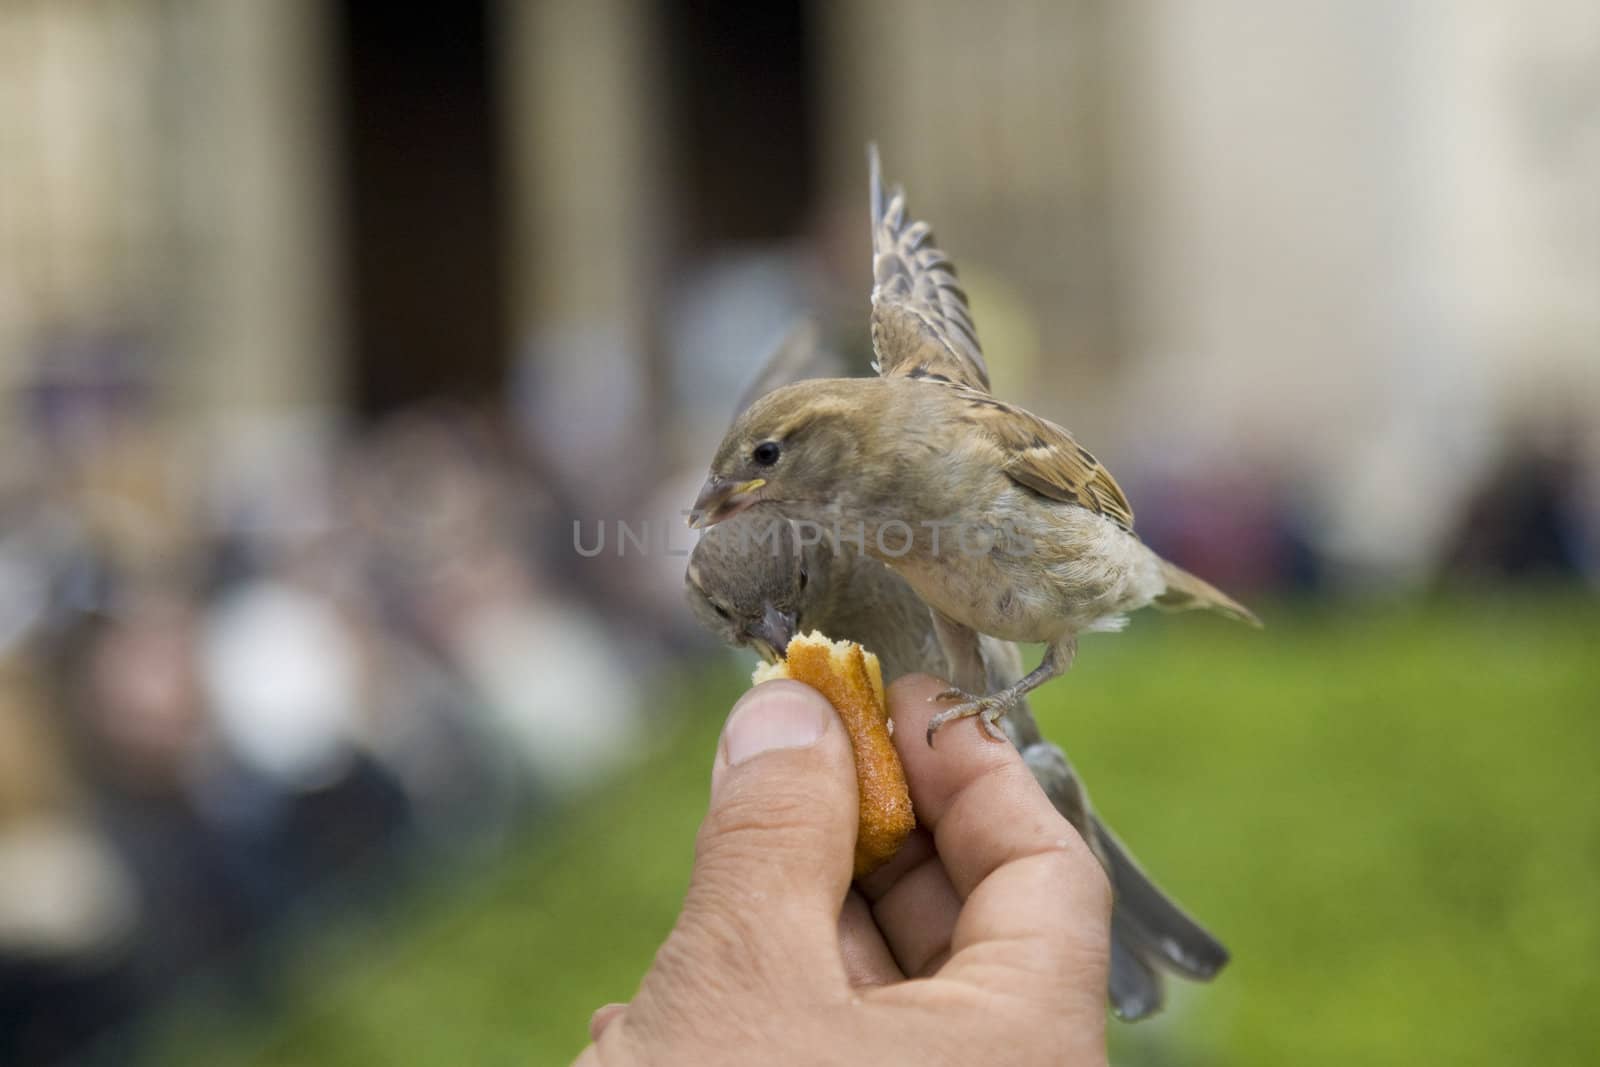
(774, 855)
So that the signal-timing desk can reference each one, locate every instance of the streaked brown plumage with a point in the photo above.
(1048, 549)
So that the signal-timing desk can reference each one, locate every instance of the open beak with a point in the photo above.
(772, 634)
(722, 498)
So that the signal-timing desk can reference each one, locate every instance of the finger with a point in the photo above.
(774, 854)
(867, 960)
(977, 797)
(603, 1017)
(914, 905)
(1025, 876)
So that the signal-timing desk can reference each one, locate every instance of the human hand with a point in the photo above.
(984, 940)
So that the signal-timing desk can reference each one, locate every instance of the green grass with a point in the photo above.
(1390, 814)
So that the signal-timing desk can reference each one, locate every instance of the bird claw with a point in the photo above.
(990, 710)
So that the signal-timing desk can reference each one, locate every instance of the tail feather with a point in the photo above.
(1151, 920)
(1150, 933)
(1186, 591)
(1134, 987)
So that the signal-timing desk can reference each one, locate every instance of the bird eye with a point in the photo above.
(766, 453)
(722, 612)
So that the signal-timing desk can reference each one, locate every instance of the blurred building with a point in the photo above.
(165, 198)
(1352, 245)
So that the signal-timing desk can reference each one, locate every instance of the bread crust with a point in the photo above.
(851, 679)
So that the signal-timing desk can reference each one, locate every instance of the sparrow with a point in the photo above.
(999, 520)
(757, 580)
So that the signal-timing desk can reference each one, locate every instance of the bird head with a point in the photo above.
(749, 581)
(794, 445)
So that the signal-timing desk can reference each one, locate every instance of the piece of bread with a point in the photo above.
(851, 679)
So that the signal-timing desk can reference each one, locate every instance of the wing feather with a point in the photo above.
(921, 325)
(922, 328)
(1041, 456)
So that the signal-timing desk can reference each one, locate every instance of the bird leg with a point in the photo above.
(964, 666)
(1057, 658)
(963, 654)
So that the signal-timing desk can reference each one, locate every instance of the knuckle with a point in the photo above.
(1080, 865)
(745, 823)
(1090, 898)
(1097, 891)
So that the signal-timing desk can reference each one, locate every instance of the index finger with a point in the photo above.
(1025, 875)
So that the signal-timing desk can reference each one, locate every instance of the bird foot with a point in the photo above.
(990, 710)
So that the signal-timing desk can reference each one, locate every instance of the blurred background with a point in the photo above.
(333, 334)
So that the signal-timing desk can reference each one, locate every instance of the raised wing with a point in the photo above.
(1045, 458)
(921, 326)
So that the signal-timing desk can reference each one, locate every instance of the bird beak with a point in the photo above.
(722, 498)
(771, 636)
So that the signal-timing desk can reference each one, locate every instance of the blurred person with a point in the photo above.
(127, 691)
(281, 674)
(437, 505)
(1235, 522)
(295, 587)
(984, 940)
(106, 456)
(279, 671)
(419, 721)
(33, 549)
(69, 907)
(224, 834)
(531, 658)
(1525, 520)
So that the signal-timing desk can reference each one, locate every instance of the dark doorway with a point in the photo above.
(744, 125)
(427, 313)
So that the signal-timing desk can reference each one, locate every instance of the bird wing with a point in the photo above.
(1044, 457)
(921, 327)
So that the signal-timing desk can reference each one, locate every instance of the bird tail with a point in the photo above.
(1150, 934)
(1151, 930)
(1186, 591)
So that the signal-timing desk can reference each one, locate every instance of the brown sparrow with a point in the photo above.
(998, 519)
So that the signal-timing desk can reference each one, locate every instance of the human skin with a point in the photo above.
(984, 940)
